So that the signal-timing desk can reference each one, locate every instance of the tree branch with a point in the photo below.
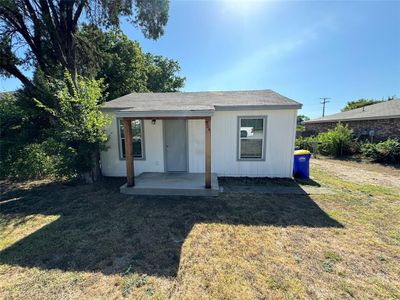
(54, 36)
(14, 71)
(37, 34)
(78, 13)
(54, 12)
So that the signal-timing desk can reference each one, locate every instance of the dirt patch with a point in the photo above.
(359, 172)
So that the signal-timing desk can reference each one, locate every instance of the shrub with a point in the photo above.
(368, 149)
(31, 162)
(307, 143)
(37, 161)
(355, 147)
(63, 158)
(11, 124)
(79, 122)
(336, 142)
(386, 152)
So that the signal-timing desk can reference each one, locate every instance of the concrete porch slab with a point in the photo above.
(167, 184)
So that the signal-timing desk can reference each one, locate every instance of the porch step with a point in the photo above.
(172, 184)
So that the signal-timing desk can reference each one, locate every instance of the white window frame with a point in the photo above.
(264, 139)
(121, 157)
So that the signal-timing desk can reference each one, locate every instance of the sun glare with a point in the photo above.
(244, 8)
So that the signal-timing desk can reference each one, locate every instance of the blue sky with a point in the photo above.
(302, 49)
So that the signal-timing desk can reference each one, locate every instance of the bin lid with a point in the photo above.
(301, 152)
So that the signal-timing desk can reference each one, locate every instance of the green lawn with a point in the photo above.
(59, 240)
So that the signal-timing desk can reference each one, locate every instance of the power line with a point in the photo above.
(323, 102)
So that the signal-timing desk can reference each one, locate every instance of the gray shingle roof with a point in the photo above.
(200, 101)
(383, 110)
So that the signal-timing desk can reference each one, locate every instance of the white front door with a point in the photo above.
(175, 145)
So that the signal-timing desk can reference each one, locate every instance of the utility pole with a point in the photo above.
(323, 102)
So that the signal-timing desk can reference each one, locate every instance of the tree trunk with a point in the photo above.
(97, 169)
(94, 174)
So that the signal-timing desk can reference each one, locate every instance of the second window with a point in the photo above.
(137, 139)
(251, 138)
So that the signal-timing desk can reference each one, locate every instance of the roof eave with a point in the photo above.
(224, 107)
(165, 113)
(257, 107)
(352, 119)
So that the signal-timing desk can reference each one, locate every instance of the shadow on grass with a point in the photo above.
(267, 183)
(307, 182)
(101, 230)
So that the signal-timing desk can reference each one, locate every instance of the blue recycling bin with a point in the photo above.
(301, 166)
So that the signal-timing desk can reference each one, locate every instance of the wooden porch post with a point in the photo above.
(207, 174)
(128, 152)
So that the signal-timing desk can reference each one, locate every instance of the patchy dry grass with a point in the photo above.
(59, 241)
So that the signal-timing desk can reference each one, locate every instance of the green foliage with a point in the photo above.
(47, 30)
(300, 122)
(301, 119)
(123, 65)
(151, 16)
(307, 143)
(300, 128)
(73, 123)
(17, 132)
(162, 74)
(64, 157)
(331, 258)
(8, 57)
(368, 149)
(133, 281)
(30, 162)
(11, 123)
(72, 119)
(124, 69)
(361, 103)
(112, 56)
(72, 133)
(23, 124)
(79, 123)
(336, 142)
(385, 152)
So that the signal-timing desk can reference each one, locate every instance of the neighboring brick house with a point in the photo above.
(376, 122)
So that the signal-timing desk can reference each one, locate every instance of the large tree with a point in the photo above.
(359, 103)
(123, 65)
(162, 74)
(363, 102)
(42, 33)
(301, 119)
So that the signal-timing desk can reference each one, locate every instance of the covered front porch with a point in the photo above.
(170, 183)
(166, 184)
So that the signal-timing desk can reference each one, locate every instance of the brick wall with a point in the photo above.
(383, 128)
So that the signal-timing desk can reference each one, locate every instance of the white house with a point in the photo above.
(233, 133)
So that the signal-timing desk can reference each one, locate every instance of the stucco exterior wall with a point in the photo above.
(383, 128)
(280, 135)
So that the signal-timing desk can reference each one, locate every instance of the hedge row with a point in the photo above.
(339, 141)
